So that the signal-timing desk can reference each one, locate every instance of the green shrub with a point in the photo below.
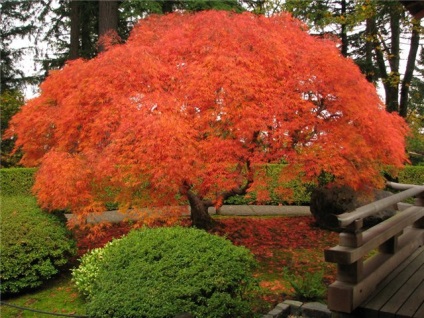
(166, 271)
(412, 175)
(308, 287)
(34, 245)
(302, 191)
(16, 181)
(84, 277)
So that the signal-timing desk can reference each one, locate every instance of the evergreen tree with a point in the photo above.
(17, 22)
(371, 32)
(416, 114)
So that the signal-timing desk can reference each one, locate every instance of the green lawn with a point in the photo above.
(58, 295)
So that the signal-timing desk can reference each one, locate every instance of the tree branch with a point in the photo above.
(240, 190)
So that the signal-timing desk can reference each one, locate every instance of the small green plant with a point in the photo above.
(309, 286)
(162, 272)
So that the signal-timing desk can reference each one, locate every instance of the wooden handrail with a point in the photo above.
(401, 186)
(346, 219)
(395, 238)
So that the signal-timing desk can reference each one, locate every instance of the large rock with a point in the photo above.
(329, 201)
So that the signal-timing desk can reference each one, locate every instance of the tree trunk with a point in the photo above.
(369, 65)
(407, 78)
(75, 30)
(89, 27)
(199, 215)
(392, 100)
(167, 6)
(343, 34)
(378, 44)
(108, 18)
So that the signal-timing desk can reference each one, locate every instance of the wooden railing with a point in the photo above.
(365, 257)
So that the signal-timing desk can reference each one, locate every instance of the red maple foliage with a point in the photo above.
(191, 103)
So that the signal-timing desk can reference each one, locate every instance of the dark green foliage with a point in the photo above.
(412, 175)
(20, 19)
(34, 245)
(16, 181)
(10, 103)
(309, 286)
(166, 271)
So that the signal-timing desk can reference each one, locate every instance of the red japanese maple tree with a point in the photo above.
(191, 104)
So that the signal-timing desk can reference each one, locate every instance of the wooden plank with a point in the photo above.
(411, 306)
(406, 290)
(385, 290)
(420, 312)
(414, 306)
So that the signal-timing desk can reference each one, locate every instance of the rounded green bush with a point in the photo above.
(163, 272)
(84, 277)
(34, 245)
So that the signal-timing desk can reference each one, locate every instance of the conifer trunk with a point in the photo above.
(75, 30)
(108, 18)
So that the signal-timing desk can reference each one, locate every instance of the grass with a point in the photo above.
(278, 243)
(58, 295)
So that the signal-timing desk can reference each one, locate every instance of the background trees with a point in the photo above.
(370, 31)
(374, 33)
(192, 112)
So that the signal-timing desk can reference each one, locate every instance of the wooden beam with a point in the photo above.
(348, 218)
(374, 237)
(345, 297)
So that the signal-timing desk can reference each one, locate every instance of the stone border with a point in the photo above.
(239, 210)
(296, 308)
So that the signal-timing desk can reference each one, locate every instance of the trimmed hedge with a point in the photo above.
(301, 192)
(34, 245)
(16, 181)
(412, 175)
(164, 272)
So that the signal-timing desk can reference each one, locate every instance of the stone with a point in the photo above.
(184, 315)
(295, 306)
(315, 310)
(328, 202)
(276, 313)
(285, 308)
